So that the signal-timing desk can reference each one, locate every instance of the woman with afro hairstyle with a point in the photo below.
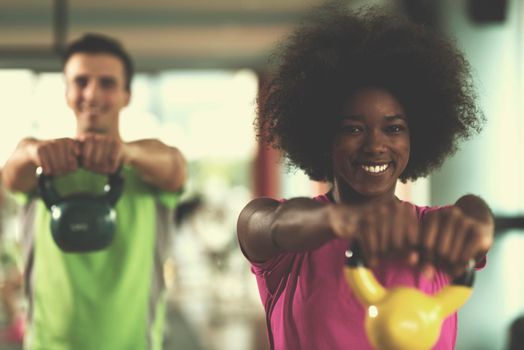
(360, 100)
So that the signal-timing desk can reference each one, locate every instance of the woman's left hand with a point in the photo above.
(450, 238)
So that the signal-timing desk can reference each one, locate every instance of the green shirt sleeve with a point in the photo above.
(168, 199)
(22, 198)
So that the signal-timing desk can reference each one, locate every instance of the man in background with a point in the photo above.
(114, 298)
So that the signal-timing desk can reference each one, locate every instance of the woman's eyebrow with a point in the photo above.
(360, 117)
(395, 117)
(357, 117)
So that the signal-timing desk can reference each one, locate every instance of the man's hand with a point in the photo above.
(56, 157)
(100, 153)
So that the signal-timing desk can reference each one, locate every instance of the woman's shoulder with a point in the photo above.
(322, 198)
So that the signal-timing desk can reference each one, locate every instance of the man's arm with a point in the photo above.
(158, 164)
(19, 170)
(56, 157)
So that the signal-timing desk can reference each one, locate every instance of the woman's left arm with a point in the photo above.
(481, 235)
(452, 236)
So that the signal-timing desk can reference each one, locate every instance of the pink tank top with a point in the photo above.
(309, 305)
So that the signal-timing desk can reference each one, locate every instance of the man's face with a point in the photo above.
(95, 91)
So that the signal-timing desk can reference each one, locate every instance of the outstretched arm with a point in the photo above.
(482, 237)
(267, 227)
(158, 164)
(453, 235)
(56, 157)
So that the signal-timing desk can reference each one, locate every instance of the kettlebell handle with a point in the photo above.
(403, 317)
(112, 190)
(354, 259)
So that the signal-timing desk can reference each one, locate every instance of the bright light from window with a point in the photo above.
(210, 114)
(51, 116)
(204, 113)
(15, 88)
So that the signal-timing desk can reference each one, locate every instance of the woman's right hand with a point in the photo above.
(383, 230)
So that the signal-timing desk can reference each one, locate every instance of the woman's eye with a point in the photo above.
(352, 129)
(395, 129)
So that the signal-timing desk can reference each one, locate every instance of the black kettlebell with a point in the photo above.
(82, 222)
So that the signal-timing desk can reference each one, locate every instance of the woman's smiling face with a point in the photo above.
(372, 145)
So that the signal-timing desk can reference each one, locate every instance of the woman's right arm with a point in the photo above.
(267, 227)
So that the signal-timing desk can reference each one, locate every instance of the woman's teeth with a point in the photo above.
(375, 168)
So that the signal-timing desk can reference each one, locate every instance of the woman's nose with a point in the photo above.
(375, 142)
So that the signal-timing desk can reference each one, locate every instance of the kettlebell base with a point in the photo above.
(81, 248)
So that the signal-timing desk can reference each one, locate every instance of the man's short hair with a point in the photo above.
(98, 43)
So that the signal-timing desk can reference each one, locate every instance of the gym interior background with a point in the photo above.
(199, 67)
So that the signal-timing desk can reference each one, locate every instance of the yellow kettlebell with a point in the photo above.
(403, 318)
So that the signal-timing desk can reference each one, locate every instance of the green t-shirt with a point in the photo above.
(111, 299)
